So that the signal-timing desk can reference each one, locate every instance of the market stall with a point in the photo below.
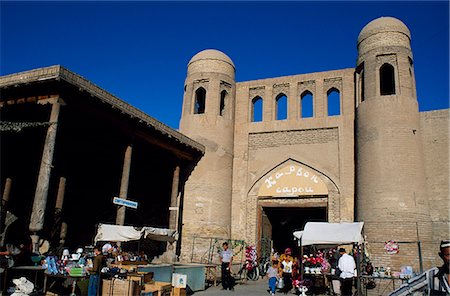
(161, 272)
(324, 235)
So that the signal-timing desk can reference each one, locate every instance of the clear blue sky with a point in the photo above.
(139, 51)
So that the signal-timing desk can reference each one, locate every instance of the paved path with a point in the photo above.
(249, 288)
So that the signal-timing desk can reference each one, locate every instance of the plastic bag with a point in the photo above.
(280, 284)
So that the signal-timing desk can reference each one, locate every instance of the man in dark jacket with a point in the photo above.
(94, 271)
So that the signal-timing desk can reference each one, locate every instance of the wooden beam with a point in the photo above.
(157, 142)
(295, 203)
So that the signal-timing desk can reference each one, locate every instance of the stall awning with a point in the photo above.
(324, 233)
(118, 233)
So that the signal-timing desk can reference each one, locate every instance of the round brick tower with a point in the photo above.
(208, 117)
(391, 191)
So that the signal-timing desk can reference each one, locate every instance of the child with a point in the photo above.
(272, 274)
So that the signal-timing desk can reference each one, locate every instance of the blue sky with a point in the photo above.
(139, 51)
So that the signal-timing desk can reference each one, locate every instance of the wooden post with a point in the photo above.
(63, 234)
(4, 203)
(120, 218)
(55, 233)
(60, 196)
(40, 196)
(173, 223)
(173, 211)
(7, 189)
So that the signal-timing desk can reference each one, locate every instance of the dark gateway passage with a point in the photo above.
(285, 221)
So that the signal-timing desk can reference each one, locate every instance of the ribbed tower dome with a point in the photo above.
(211, 54)
(211, 61)
(383, 25)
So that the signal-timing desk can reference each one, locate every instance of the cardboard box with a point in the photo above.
(141, 278)
(119, 287)
(162, 288)
(178, 292)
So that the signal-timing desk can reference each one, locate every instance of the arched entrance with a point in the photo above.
(288, 197)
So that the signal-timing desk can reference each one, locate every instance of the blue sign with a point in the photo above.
(125, 202)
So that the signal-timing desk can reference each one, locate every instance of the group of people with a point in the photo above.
(282, 268)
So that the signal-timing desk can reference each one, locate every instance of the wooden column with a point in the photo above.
(174, 204)
(7, 190)
(120, 218)
(4, 203)
(63, 234)
(55, 233)
(60, 196)
(40, 196)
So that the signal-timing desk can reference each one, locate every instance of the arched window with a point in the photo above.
(363, 87)
(257, 109)
(200, 98)
(334, 102)
(223, 102)
(307, 104)
(387, 80)
(360, 83)
(281, 107)
(411, 77)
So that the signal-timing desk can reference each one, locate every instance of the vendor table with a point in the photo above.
(319, 283)
(31, 269)
(383, 284)
(211, 273)
(58, 276)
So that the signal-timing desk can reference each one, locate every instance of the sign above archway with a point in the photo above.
(292, 180)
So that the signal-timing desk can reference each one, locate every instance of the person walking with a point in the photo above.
(347, 266)
(226, 259)
(94, 272)
(286, 267)
(272, 275)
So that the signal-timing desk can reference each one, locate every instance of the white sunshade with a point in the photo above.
(298, 234)
(323, 233)
(118, 233)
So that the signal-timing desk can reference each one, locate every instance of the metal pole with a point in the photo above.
(419, 247)
(358, 269)
(301, 259)
(41, 194)
(420, 256)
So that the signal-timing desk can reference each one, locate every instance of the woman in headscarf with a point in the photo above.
(285, 268)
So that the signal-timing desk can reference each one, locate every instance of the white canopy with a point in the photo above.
(298, 234)
(324, 233)
(118, 233)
